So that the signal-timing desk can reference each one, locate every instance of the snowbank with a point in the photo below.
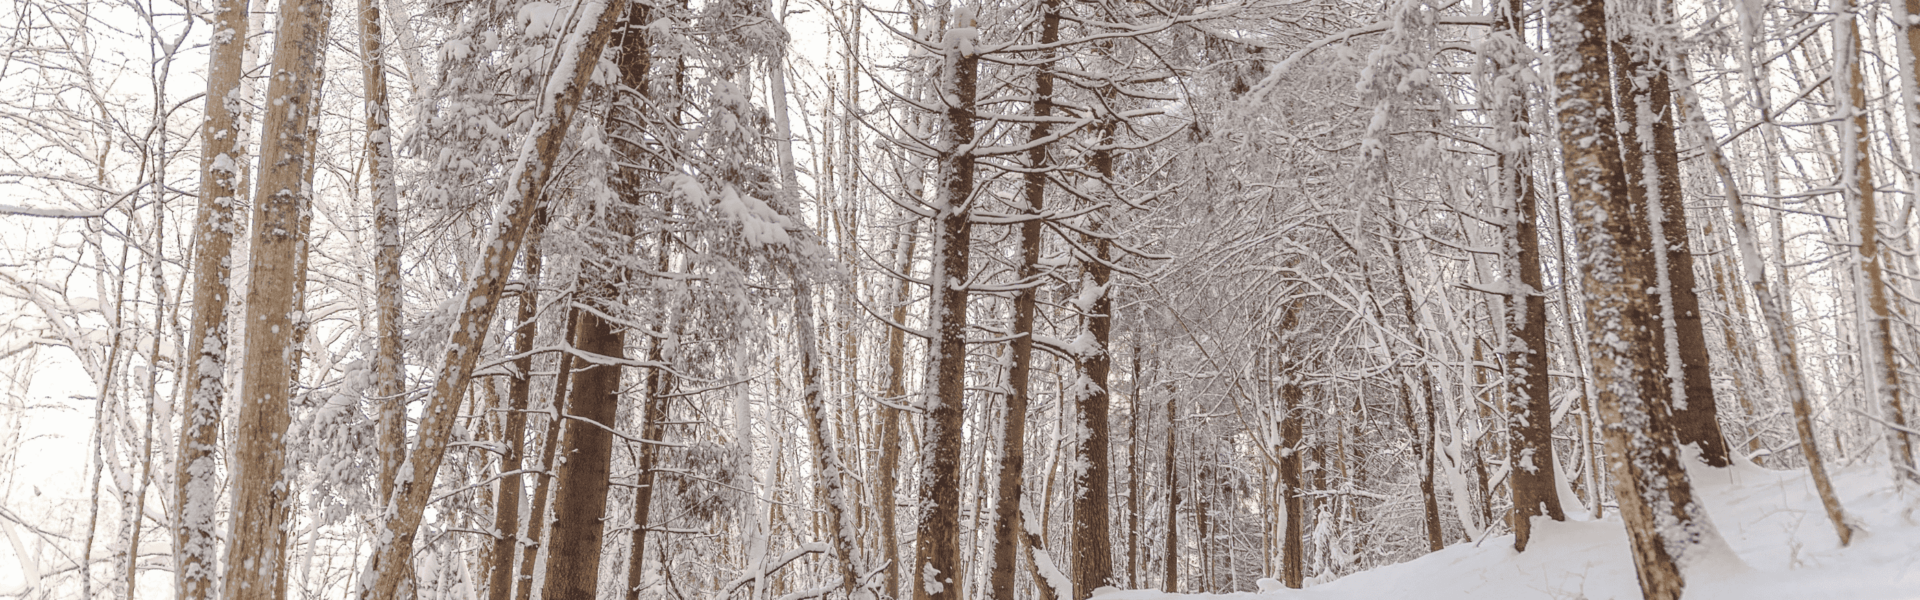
(1771, 518)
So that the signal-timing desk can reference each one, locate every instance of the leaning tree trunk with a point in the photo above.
(1857, 138)
(255, 550)
(223, 158)
(1665, 524)
(552, 116)
(937, 549)
(1771, 311)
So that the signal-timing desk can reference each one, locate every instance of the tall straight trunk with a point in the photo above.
(388, 367)
(1013, 453)
(1170, 583)
(506, 506)
(1857, 178)
(1133, 471)
(223, 159)
(937, 549)
(1646, 102)
(580, 495)
(537, 512)
(659, 387)
(1292, 536)
(887, 480)
(256, 543)
(1092, 541)
(1665, 524)
(552, 117)
(1532, 476)
(1771, 312)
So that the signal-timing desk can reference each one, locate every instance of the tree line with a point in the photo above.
(932, 299)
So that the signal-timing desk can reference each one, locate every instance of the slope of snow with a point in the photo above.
(1771, 518)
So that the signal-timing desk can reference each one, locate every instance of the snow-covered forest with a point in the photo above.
(958, 299)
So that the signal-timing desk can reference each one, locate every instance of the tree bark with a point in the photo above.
(573, 556)
(1858, 180)
(1013, 453)
(1532, 476)
(1171, 582)
(506, 506)
(1652, 171)
(1665, 525)
(255, 548)
(1770, 310)
(537, 513)
(937, 549)
(553, 116)
(222, 163)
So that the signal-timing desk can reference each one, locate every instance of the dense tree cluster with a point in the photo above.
(931, 299)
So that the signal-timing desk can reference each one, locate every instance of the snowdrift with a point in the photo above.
(1772, 519)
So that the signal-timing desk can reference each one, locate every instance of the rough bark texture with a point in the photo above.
(1652, 171)
(1532, 477)
(937, 549)
(580, 495)
(887, 480)
(221, 183)
(255, 549)
(1292, 542)
(1170, 583)
(1013, 453)
(553, 116)
(1664, 522)
(388, 367)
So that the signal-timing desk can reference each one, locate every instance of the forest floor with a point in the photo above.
(1772, 520)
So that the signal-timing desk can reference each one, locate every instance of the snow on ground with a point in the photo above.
(1772, 519)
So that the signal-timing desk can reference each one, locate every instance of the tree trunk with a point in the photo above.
(1857, 178)
(1665, 525)
(1171, 583)
(1092, 541)
(888, 479)
(553, 116)
(506, 515)
(255, 546)
(937, 549)
(1531, 472)
(573, 558)
(1293, 544)
(223, 159)
(1652, 171)
(389, 369)
(1013, 455)
(537, 513)
(1770, 310)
